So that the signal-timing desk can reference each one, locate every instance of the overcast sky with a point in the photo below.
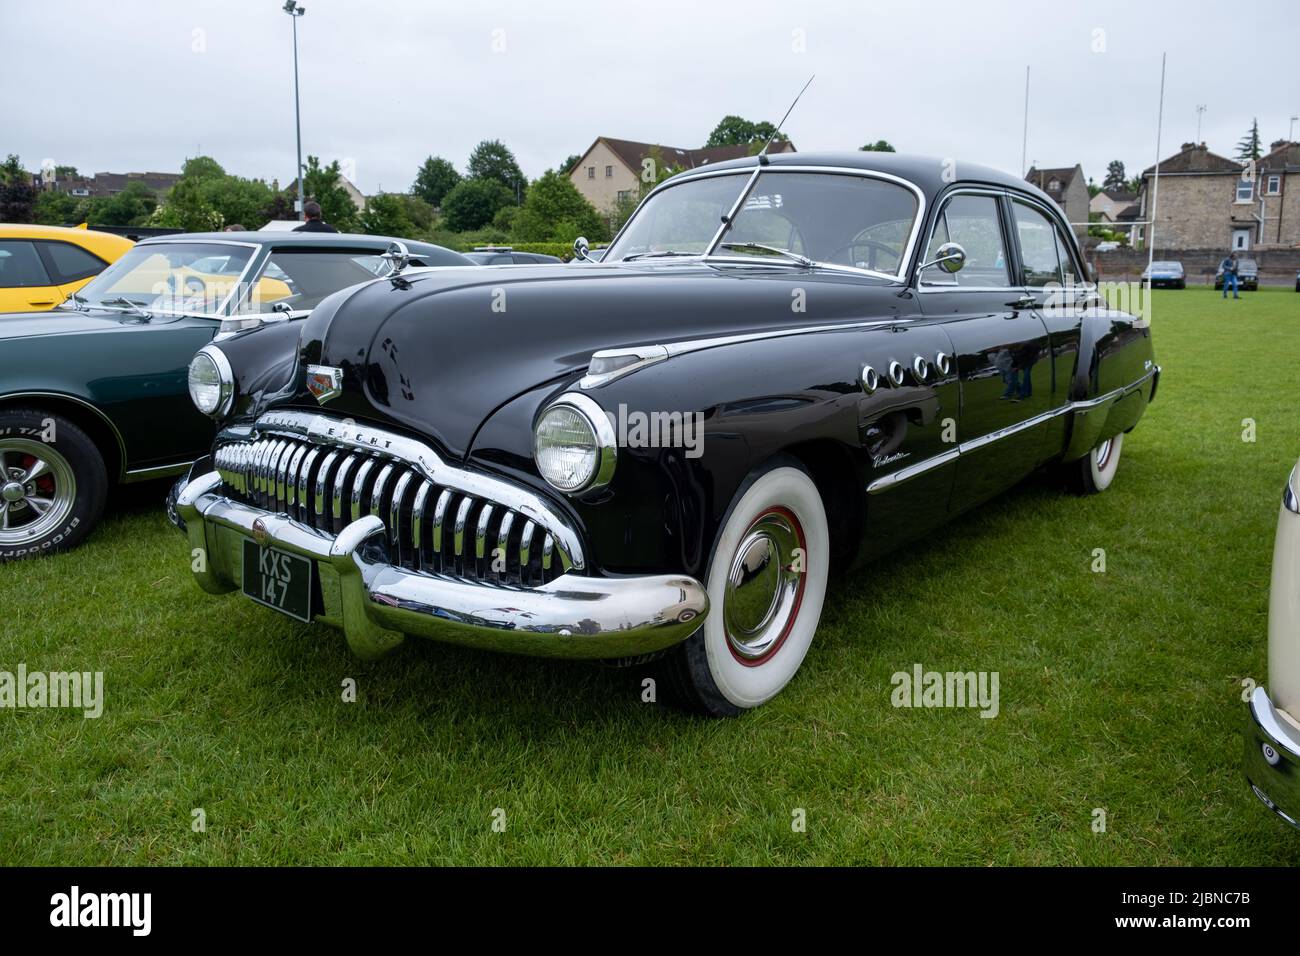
(140, 85)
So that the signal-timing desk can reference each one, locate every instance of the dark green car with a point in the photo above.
(96, 391)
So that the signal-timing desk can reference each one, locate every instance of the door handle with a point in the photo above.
(50, 302)
(1025, 301)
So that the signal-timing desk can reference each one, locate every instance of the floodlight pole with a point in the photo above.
(1024, 141)
(291, 7)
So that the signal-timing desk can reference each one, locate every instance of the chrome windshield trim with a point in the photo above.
(221, 310)
(904, 261)
(324, 430)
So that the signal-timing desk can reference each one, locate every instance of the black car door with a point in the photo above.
(1000, 343)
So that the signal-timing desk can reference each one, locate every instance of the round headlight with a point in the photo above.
(574, 445)
(212, 382)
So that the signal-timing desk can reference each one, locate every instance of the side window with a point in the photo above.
(1068, 269)
(974, 224)
(20, 265)
(1038, 249)
(72, 263)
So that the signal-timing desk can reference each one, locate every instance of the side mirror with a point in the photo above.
(950, 258)
(581, 248)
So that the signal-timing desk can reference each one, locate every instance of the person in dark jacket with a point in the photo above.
(314, 223)
(1229, 267)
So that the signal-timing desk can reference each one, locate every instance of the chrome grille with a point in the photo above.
(431, 528)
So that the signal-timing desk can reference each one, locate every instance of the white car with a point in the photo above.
(1273, 728)
(1110, 245)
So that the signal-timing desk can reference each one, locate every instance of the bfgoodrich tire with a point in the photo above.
(52, 484)
(766, 583)
(1096, 470)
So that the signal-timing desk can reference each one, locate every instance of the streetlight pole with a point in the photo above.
(291, 7)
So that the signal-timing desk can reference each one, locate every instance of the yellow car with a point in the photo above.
(40, 266)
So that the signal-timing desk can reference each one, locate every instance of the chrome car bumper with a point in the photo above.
(1273, 757)
(376, 604)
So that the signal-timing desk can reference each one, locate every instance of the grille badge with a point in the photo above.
(324, 381)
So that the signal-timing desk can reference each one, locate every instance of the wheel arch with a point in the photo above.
(835, 474)
(97, 426)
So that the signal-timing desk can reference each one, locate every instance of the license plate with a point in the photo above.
(278, 579)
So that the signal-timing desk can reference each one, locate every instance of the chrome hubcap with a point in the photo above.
(1103, 453)
(764, 586)
(37, 490)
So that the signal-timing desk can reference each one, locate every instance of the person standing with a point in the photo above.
(1229, 267)
(314, 223)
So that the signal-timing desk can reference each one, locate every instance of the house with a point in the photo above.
(1278, 191)
(1205, 202)
(104, 185)
(355, 194)
(1069, 190)
(611, 170)
(1109, 203)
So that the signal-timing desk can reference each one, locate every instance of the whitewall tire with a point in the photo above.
(1098, 467)
(766, 583)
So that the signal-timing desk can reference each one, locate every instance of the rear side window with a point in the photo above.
(71, 263)
(20, 266)
(1039, 253)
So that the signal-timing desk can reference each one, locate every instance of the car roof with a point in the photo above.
(18, 230)
(932, 174)
(299, 240)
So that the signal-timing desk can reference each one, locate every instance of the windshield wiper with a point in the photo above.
(656, 255)
(78, 302)
(793, 256)
(135, 307)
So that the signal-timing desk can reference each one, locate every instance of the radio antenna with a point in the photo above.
(762, 154)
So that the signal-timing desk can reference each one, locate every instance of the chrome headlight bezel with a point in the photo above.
(225, 382)
(604, 444)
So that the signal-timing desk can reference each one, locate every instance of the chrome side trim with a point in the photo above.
(157, 471)
(324, 430)
(673, 349)
(896, 478)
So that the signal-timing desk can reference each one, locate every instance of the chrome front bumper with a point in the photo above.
(1273, 758)
(376, 604)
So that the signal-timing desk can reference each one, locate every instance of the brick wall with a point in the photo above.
(1200, 264)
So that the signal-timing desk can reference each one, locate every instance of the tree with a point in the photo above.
(17, 194)
(385, 215)
(738, 131)
(473, 203)
(492, 160)
(436, 178)
(879, 146)
(202, 167)
(556, 211)
(566, 167)
(323, 184)
(1249, 149)
(54, 208)
(131, 207)
(1115, 176)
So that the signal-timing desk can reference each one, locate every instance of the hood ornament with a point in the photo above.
(398, 258)
(324, 382)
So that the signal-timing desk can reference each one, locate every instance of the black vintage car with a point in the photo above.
(94, 392)
(782, 367)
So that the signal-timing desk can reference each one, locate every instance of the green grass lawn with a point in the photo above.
(1120, 691)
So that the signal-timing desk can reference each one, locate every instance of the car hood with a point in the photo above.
(19, 325)
(439, 353)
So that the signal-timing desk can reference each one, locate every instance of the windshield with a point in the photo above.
(829, 218)
(1167, 266)
(195, 278)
